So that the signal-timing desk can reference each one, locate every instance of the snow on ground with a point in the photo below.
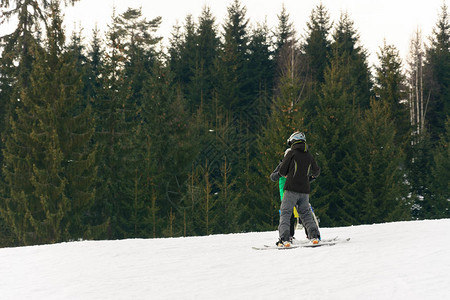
(403, 260)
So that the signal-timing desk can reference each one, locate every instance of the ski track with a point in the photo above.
(402, 260)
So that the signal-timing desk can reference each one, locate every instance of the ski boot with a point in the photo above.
(283, 244)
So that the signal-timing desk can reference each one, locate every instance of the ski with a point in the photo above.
(305, 244)
(330, 243)
(266, 247)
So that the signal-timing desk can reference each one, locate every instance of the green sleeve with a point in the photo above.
(281, 183)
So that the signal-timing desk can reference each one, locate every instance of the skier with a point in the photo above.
(276, 177)
(297, 166)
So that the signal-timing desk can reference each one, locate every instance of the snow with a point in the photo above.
(402, 260)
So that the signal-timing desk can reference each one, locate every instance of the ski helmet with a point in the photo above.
(295, 138)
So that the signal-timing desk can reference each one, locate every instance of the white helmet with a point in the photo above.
(295, 138)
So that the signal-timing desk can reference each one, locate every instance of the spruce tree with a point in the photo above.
(109, 129)
(182, 52)
(317, 46)
(16, 64)
(6, 91)
(174, 50)
(132, 54)
(95, 65)
(192, 56)
(419, 161)
(17, 48)
(77, 127)
(234, 95)
(165, 125)
(228, 198)
(262, 71)
(334, 137)
(201, 89)
(378, 164)
(95, 70)
(232, 64)
(437, 76)
(284, 32)
(317, 50)
(261, 76)
(7, 70)
(390, 88)
(207, 201)
(16, 60)
(190, 202)
(346, 45)
(55, 124)
(439, 203)
(287, 114)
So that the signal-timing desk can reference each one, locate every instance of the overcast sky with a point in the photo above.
(393, 20)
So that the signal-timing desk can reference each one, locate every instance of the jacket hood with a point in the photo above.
(302, 146)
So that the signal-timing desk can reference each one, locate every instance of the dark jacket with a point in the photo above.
(297, 166)
(275, 175)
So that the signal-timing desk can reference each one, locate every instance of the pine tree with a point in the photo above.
(262, 70)
(317, 46)
(192, 56)
(191, 215)
(390, 87)
(127, 70)
(94, 89)
(419, 160)
(174, 53)
(345, 45)
(201, 89)
(284, 32)
(439, 203)
(57, 129)
(227, 201)
(437, 76)
(139, 45)
(7, 70)
(334, 136)
(6, 94)
(287, 115)
(235, 96)
(379, 159)
(317, 50)
(109, 129)
(232, 65)
(94, 66)
(76, 133)
(17, 49)
(208, 201)
(182, 52)
(16, 61)
(169, 153)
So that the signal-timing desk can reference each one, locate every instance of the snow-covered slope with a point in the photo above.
(404, 260)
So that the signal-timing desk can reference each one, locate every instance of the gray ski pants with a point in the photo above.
(301, 201)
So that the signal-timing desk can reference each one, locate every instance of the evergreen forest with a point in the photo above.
(120, 137)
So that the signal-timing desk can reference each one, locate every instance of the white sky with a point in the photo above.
(393, 20)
